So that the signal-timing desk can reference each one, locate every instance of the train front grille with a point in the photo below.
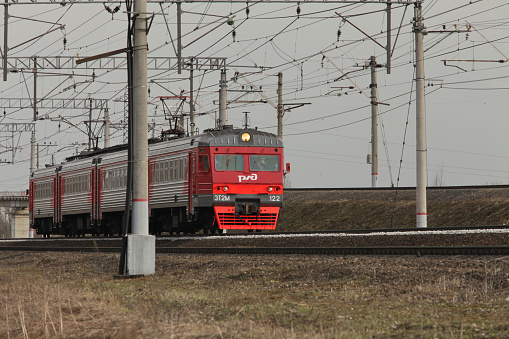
(265, 219)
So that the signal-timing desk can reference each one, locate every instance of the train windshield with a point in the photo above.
(260, 162)
(229, 162)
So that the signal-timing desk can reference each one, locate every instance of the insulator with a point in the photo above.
(339, 33)
(65, 41)
(247, 12)
(298, 10)
(234, 34)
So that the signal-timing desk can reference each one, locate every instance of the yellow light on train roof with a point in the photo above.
(246, 137)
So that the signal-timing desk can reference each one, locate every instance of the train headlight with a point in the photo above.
(246, 137)
(270, 189)
(225, 188)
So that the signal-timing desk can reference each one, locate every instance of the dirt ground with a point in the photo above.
(73, 295)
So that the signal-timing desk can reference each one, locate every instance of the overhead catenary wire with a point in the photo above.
(305, 91)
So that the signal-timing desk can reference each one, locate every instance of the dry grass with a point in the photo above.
(370, 214)
(46, 295)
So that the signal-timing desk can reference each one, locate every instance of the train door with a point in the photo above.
(31, 193)
(55, 198)
(151, 176)
(191, 179)
(60, 191)
(95, 188)
(93, 195)
(204, 176)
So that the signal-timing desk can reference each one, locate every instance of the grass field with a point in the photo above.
(71, 295)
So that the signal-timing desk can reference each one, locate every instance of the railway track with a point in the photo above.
(411, 250)
(446, 241)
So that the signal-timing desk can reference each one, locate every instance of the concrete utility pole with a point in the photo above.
(6, 35)
(140, 245)
(32, 138)
(90, 135)
(389, 43)
(280, 105)
(32, 152)
(179, 37)
(222, 100)
(191, 101)
(106, 128)
(420, 31)
(374, 125)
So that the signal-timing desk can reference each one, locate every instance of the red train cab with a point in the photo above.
(241, 178)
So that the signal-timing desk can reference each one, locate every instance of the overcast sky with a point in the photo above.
(328, 139)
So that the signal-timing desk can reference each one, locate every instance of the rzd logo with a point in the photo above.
(248, 177)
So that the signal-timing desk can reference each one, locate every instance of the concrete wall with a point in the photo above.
(20, 224)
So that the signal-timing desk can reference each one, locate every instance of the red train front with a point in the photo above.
(241, 178)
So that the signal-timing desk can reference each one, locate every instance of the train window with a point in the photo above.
(166, 174)
(229, 162)
(158, 172)
(261, 162)
(177, 169)
(204, 163)
(185, 169)
(181, 169)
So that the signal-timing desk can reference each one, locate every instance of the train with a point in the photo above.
(227, 178)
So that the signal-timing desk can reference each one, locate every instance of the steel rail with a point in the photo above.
(398, 250)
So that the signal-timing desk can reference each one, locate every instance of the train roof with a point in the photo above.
(226, 136)
(212, 137)
(235, 137)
